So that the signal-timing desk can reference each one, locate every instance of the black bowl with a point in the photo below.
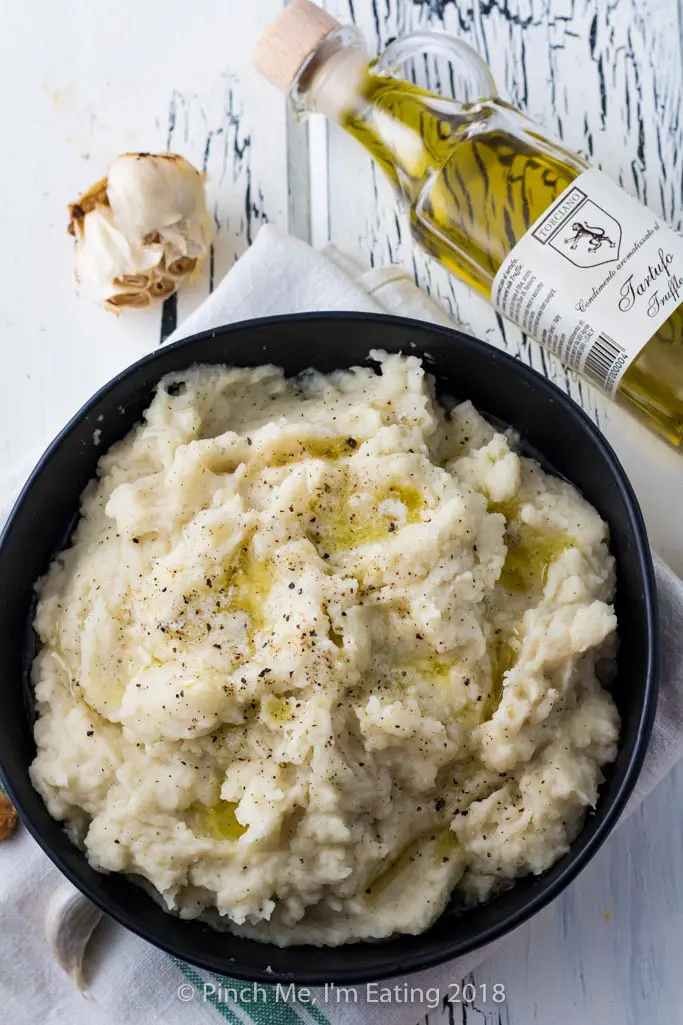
(499, 386)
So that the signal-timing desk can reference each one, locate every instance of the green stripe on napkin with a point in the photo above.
(195, 978)
(268, 1011)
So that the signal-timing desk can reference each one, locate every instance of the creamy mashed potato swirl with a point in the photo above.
(320, 653)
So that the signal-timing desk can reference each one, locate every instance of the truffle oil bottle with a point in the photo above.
(555, 245)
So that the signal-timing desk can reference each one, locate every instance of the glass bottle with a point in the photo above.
(558, 248)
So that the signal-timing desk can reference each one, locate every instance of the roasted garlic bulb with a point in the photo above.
(141, 231)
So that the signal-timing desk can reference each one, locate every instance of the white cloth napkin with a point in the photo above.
(132, 983)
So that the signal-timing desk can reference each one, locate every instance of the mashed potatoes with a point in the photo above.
(320, 654)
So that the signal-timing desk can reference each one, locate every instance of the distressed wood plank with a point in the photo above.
(605, 78)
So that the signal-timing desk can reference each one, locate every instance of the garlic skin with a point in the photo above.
(70, 920)
(141, 231)
(112, 270)
(8, 817)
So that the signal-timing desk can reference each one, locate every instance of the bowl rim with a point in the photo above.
(457, 947)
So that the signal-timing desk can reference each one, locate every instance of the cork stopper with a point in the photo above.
(288, 41)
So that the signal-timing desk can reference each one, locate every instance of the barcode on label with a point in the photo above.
(604, 361)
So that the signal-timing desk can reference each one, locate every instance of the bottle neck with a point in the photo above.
(336, 80)
(411, 133)
(331, 78)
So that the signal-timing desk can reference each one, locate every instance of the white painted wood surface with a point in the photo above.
(82, 82)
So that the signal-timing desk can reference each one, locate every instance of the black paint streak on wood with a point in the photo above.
(254, 211)
(239, 147)
(205, 164)
(588, 138)
(544, 362)
(509, 232)
(172, 114)
(464, 191)
(248, 207)
(437, 86)
(437, 9)
(169, 310)
(375, 191)
(638, 165)
(169, 317)
(501, 328)
(524, 91)
(177, 103)
(593, 35)
(207, 151)
(375, 16)
(603, 90)
(484, 10)
(584, 398)
(451, 81)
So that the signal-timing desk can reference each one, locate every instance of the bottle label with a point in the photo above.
(593, 279)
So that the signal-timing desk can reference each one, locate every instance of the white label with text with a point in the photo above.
(593, 279)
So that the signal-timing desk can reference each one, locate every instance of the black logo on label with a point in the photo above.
(580, 231)
(593, 236)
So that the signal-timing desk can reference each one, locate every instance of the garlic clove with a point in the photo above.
(70, 920)
(162, 287)
(182, 267)
(134, 300)
(105, 258)
(162, 194)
